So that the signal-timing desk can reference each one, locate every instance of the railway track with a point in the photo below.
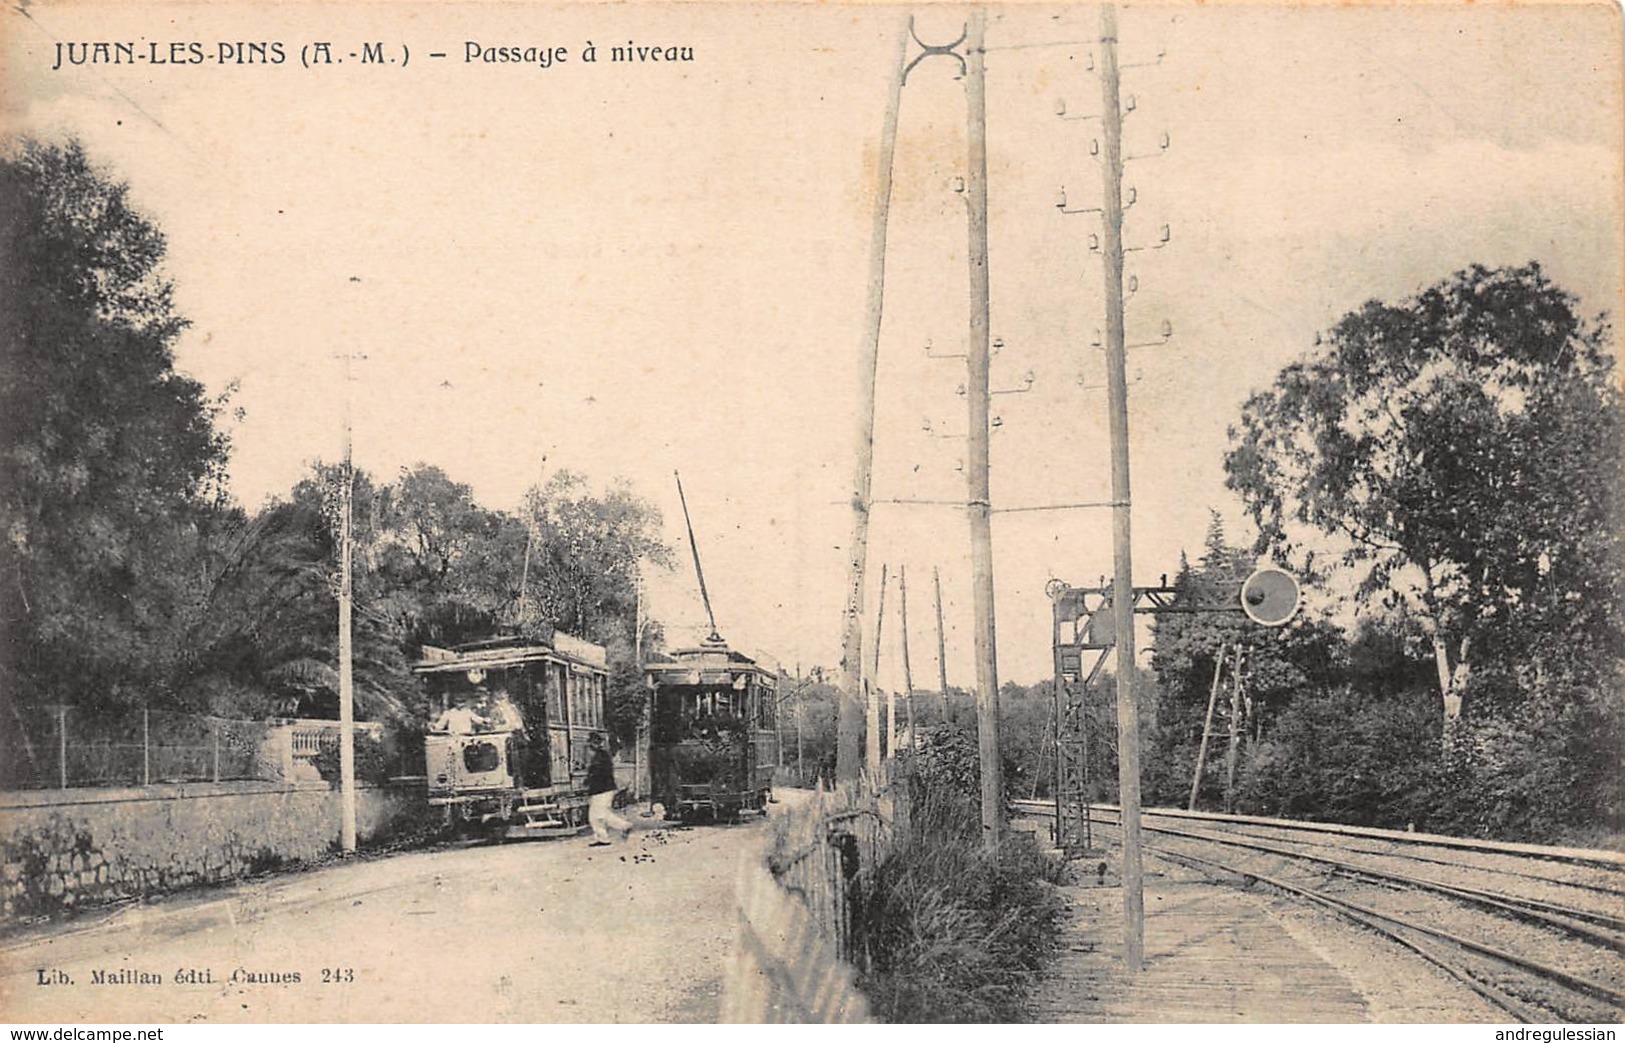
(1539, 932)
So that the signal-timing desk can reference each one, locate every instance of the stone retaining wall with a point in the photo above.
(65, 849)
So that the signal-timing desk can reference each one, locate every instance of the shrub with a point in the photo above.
(952, 933)
(373, 760)
(1340, 755)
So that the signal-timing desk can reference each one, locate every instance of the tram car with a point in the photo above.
(507, 748)
(714, 742)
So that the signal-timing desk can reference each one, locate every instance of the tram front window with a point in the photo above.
(481, 757)
(685, 715)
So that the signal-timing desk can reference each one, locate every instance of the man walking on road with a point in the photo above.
(601, 789)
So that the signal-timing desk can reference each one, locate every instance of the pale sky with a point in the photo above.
(636, 268)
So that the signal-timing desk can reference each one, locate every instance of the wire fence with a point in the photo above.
(66, 747)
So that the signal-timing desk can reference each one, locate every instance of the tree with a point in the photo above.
(1281, 664)
(1349, 756)
(253, 640)
(453, 568)
(1460, 450)
(110, 464)
(266, 642)
(585, 554)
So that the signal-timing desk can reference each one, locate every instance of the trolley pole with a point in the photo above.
(1128, 718)
(979, 499)
(850, 709)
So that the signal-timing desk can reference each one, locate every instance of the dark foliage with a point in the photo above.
(109, 460)
(127, 578)
(1342, 755)
(1461, 453)
(1280, 665)
(956, 935)
(375, 760)
(1462, 449)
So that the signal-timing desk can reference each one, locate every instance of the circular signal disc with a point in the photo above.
(1270, 597)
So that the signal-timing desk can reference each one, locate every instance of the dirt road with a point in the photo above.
(538, 931)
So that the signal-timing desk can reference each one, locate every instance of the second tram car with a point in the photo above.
(507, 749)
(714, 742)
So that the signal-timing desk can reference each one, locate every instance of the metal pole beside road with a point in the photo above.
(347, 838)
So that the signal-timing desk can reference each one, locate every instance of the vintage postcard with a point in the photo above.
(742, 512)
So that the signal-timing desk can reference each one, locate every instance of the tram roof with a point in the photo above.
(499, 653)
(710, 663)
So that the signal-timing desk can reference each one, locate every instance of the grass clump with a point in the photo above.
(951, 933)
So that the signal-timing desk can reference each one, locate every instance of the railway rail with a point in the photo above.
(1537, 931)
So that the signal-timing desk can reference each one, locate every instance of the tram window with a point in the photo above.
(555, 704)
(480, 757)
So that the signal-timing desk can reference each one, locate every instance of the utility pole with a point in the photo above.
(640, 734)
(1207, 729)
(942, 651)
(979, 497)
(347, 838)
(530, 543)
(637, 620)
(1232, 755)
(891, 694)
(62, 745)
(1128, 718)
(872, 752)
(908, 672)
(850, 707)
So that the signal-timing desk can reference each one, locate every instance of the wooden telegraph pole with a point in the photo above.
(1233, 753)
(872, 752)
(1128, 718)
(1207, 729)
(850, 711)
(942, 652)
(640, 732)
(908, 672)
(978, 498)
